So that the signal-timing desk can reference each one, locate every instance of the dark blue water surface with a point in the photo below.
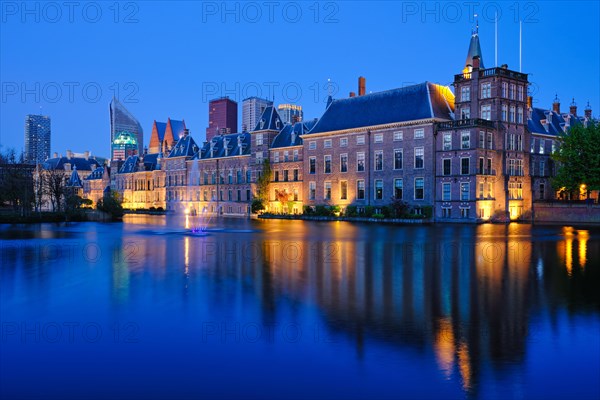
(292, 309)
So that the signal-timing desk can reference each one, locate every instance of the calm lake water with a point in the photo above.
(292, 309)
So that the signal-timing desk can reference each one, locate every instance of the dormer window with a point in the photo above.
(262, 124)
(277, 123)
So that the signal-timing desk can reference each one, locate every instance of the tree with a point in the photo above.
(262, 188)
(578, 158)
(111, 204)
(16, 182)
(55, 187)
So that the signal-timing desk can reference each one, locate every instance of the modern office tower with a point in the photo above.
(121, 120)
(252, 109)
(124, 145)
(222, 117)
(37, 138)
(290, 113)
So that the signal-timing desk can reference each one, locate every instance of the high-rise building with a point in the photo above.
(222, 117)
(37, 138)
(121, 120)
(252, 109)
(290, 113)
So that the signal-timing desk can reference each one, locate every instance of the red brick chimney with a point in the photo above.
(476, 62)
(556, 105)
(352, 94)
(573, 108)
(588, 111)
(362, 85)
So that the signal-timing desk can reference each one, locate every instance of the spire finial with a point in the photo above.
(475, 31)
(556, 98)
(573, 102)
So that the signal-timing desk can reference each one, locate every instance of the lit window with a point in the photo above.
(378, 189)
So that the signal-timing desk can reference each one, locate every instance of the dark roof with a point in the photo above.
(269, 120)
(232, 142)
(421, 101)
(555, 122)
(80, 163)
(132, 164)
(290, 134)
(74, 180)
(474, 50)
(96, 174)
(185, 147)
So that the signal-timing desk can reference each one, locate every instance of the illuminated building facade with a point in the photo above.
(480, 153)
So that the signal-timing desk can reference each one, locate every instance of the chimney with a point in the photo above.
(476, 62)
(55, 155)
(362, 85)
(186, 132)
(588, 111)
(556, 105)
(69, 154)
(352, 94)
(573, 108)
(86, 155)
(529, 102)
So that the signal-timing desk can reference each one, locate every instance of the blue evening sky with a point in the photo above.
(168, 59)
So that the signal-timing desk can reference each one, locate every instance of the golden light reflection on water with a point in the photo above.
(582, 238)
(463, 290)
(464, 363)
(444, 347)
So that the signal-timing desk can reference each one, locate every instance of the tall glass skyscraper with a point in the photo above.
(121, 120)
(37, 138)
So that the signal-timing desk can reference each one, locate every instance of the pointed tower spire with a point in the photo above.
(474, 47)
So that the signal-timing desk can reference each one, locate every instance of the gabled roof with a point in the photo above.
(160, 130)
(96, 174)
(185, 147)
(81, 163)
(422, 101)
(74, 181)
(177, 127)
(234, 144)
(269, 120)
(290, 134)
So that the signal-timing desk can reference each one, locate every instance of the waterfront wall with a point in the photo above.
(567, 213)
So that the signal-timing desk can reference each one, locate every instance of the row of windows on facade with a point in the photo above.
(507, 91)
(206, 178)
(183, 195)
(509, 114)
(360, 139)
(360, 194)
